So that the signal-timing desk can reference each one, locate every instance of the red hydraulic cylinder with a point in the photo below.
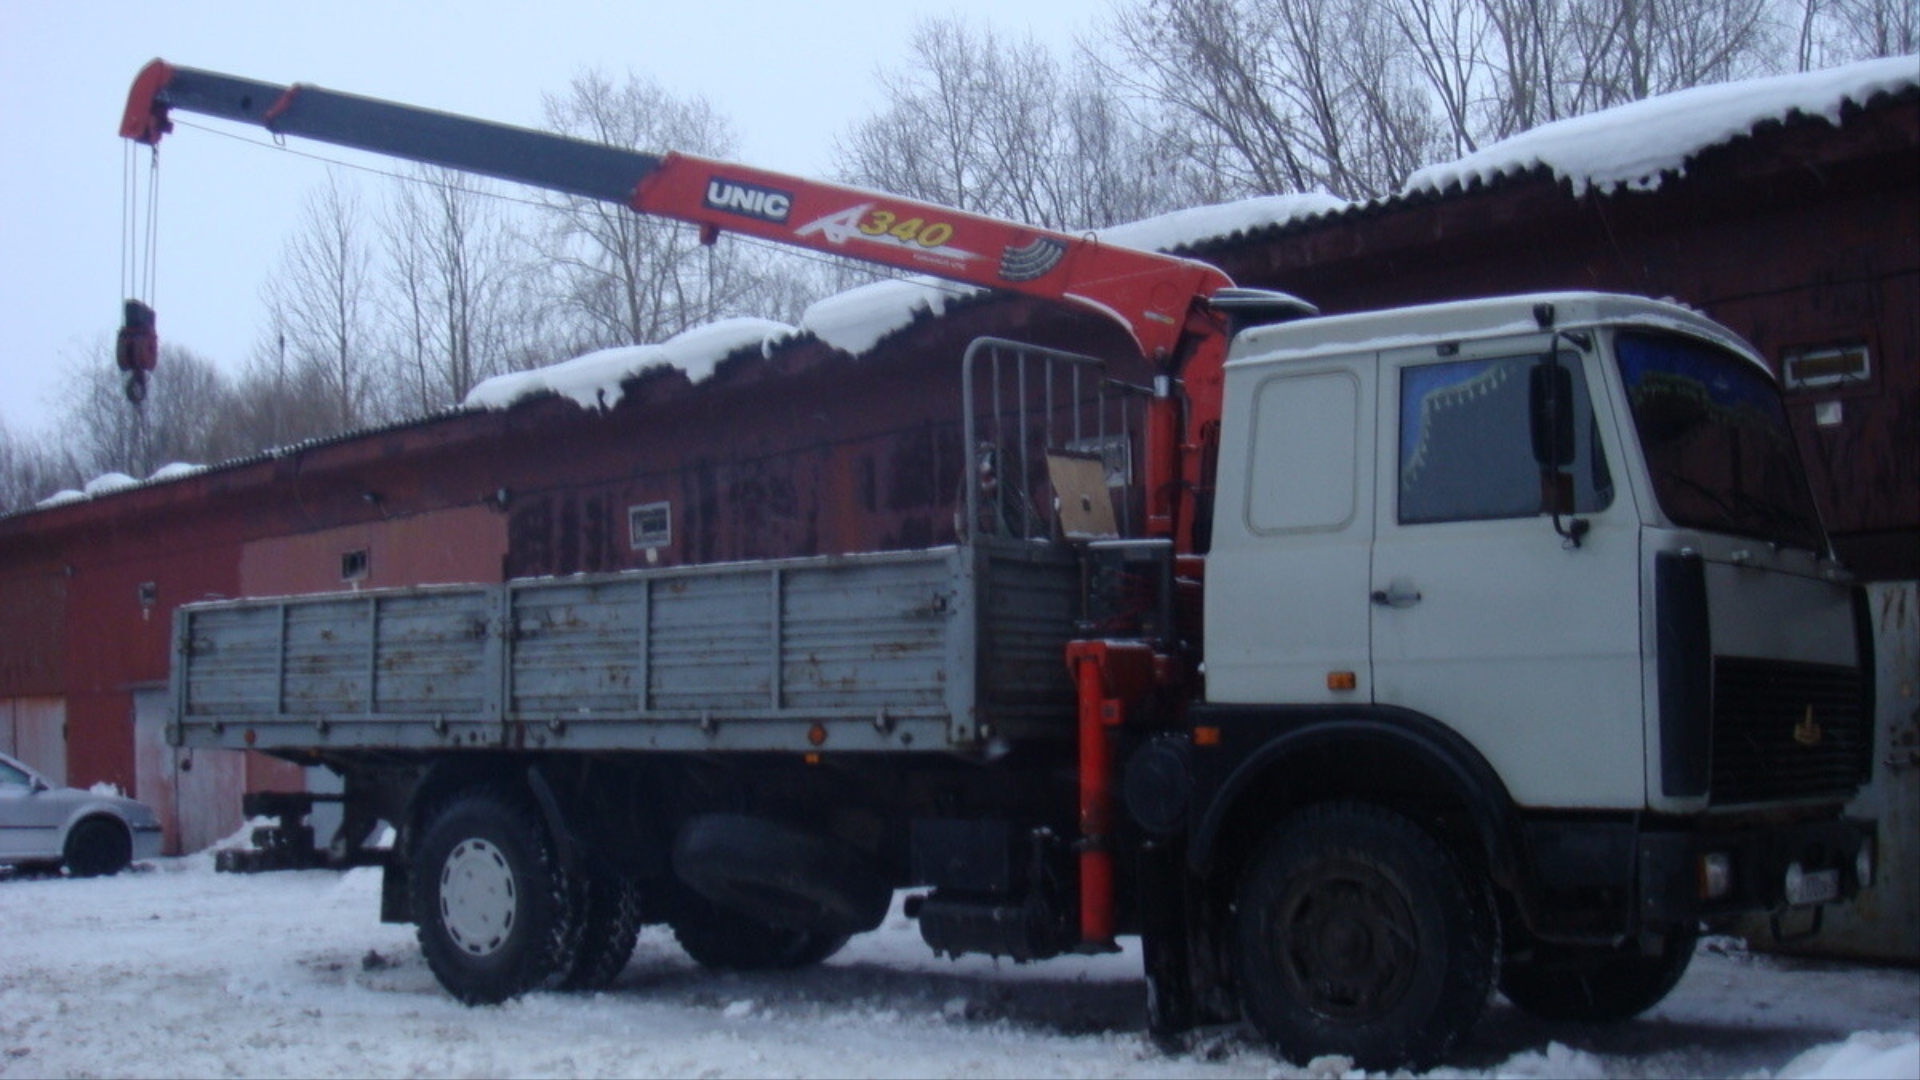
(1106, 674)
(1163, 464)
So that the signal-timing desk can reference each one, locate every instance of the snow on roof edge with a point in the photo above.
(1639, 144)
(594, 381)
(856, 320)
(1197, 225)
(1636, 146)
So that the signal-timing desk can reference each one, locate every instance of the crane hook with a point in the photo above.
(138, 349)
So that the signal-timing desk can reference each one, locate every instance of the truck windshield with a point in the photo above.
(1716, 440)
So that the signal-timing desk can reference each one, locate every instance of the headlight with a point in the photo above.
(1716, 875)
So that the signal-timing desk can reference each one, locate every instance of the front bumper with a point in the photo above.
(147, 842)
(1759, 870)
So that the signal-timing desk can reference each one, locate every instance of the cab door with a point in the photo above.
(1484, 615)
(1286, 610)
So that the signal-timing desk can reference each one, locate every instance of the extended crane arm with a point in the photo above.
(1160, 299)
(1175, 310)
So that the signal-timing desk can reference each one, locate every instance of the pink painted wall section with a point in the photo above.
(442, 547)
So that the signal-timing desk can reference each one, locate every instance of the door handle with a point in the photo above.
(1399, 593)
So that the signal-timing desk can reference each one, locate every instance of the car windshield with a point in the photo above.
(1716, 439)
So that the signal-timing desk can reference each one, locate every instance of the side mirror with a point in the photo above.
(35, 786)
(1550, 418)
(1550, 411)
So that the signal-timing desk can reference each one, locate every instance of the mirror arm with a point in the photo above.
(1572, 532)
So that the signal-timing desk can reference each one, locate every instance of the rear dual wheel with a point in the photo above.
(610, 919)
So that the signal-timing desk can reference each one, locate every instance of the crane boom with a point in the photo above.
(1175, 310)
(1152, 295)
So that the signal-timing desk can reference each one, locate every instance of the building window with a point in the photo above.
(650, 525)
(1826, 367)
(353, 565)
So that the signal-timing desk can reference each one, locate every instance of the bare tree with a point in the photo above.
(622, 278)
(1447, 42)
(957, 112)
(1351, 95)
(319, 302)
(456, 295)
(182, 419)
(980, 122)
(1265, 76)
(1627, 50)
(276, 402)
(1527, 61)
(31, 470)
(1828, 32)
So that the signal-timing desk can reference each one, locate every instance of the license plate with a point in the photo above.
(1818, 887)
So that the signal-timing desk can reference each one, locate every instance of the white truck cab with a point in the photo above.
(1571, 531)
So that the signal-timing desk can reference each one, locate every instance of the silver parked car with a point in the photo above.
(46, 826)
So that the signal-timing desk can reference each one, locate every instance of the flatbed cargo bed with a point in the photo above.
(942, 650)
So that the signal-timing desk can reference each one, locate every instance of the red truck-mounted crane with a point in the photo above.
(1175, 310)
(1523, 653)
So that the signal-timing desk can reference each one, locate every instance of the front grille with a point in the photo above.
(1765, 747)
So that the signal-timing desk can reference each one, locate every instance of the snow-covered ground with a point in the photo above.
(178, 971)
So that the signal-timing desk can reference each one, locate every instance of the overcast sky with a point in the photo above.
(791, 75)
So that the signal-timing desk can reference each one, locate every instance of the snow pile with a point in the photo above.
(1636, 146)
(856, 320)
(1866, 1055)
(593, 381)
(61, 498)
(108, 483)
(179, 470)
(113, 482)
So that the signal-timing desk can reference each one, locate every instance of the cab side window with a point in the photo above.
(1466, 449)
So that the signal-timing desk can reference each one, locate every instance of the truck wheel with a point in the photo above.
(610, 924)
(97, 848)
(1597, 985)
(1360, 934)
(494, 908)
(723, 939)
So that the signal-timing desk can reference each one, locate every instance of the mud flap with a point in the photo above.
(1187, 989)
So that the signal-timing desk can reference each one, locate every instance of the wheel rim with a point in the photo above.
(1346, 941)
(478, 899)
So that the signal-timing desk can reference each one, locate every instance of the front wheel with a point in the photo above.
(1360, 934)
(494, 908)
(1597, 985)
